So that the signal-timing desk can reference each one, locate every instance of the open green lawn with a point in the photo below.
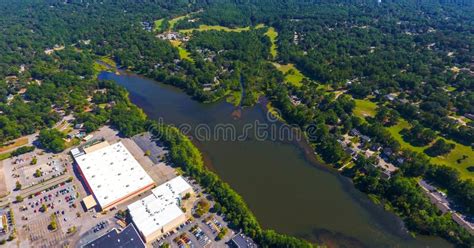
(158, 24)
(183, 53)
(172, 22)
(272, 34)
(365, 108)
(449, 159)
(5, 156)
(214, 27)
(98, 67)
(175, 20)
(292, 75)
(109, 61)
(395, 131)
(274, 112)
(234, 98)
(204, 27)
(451, 88)
(325, 87)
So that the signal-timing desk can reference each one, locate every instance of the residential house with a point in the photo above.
(375, 147)
(365, 138)
(387, 151)
(354, 132)
(469, 116)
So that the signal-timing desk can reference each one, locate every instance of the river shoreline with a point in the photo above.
(385, 221)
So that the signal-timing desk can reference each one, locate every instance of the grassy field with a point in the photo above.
(63, 125)
(172, 23)
(234, 98)
(203, 28)
(292, 75)
(14, 144)
(449, 159)
(108, 60)
(451, 88)
(73, 142)
(66, 130)
(158, 24)
(364, 108)
(183, 53)
(272, 34)
(98, 67)
(274, 112)
(214, 27)
(5, 156)
(175, 20)
(325, 87)
(395, 131)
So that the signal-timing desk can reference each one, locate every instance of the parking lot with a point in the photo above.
(52, 167)
(185, 236)
(34, 167)
(198, 232)
(4, 233)
(98, 228)
(58, 199)
(159, 173)
(56, 194)
(203, 238)
(213, 224)
(36, 211)
(147, 143)
(40, 236)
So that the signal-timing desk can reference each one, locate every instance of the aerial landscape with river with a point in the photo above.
(286, 190)
(237, 124)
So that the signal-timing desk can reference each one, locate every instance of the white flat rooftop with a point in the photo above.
(160, 208)
(112, 173)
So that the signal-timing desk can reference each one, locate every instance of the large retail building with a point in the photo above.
(161, 211)
(111, 173)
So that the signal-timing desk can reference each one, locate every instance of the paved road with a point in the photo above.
(45, 185)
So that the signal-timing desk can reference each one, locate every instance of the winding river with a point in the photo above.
(283, 186)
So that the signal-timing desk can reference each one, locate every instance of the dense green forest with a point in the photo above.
(413, 59)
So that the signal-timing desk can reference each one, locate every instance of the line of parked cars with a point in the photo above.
(183, 240)
(101, 225)
(214, 225)
(48, 200)
(200, 235)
